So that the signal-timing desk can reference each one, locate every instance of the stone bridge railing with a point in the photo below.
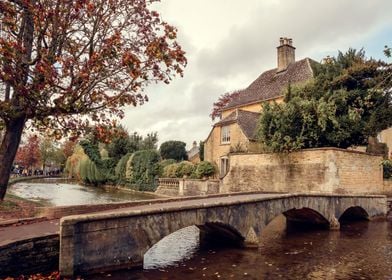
(119, 239)
(187, 187)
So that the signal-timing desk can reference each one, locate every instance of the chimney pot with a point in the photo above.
(286, 53)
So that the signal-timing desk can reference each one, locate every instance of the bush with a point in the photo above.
(387, 168)
(170, 171)
(121, 168)
(204, 169)
(185, 168)
(143, 169)
(90, 174)
(163, 164)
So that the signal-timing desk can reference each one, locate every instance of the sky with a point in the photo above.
(229, 43)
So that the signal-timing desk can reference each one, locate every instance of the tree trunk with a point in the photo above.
(8, 149)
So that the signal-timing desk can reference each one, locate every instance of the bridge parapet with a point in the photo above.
(119, 239)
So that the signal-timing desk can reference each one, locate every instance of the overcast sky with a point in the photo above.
(229, 43)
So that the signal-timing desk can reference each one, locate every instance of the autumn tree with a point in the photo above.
(222, 101)
(63, 59)
(29, 155)
(68, 148)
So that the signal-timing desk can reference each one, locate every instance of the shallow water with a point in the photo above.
(360, 250)
(60, 192)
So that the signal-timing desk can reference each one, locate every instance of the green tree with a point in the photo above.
(348, 101)
(173, 150)
(201, 150)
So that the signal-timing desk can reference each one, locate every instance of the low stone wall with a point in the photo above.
(168, 187)
(30, 256)
(325, 170)
(388, 188)
(187, 187)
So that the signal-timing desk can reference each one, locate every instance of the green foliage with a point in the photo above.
(201, 150)
(170, 171)
(105, 166)
(162, 164)
(185, 168)
(204, 169)
(121, 168)
(119, 147)
(387, 51)
(188, 169)
(238, 148)
(345, 104)
(143, 169)
(90, 174)
(387, 168)
(173, 150)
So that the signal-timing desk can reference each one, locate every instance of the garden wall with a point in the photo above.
(187, 187)
(324, 170)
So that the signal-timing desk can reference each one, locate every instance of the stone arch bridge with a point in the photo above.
(119, 239)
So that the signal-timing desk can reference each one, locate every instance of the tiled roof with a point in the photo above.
(246, 120)
(271, 84)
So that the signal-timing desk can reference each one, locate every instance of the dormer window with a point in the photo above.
(225, 134)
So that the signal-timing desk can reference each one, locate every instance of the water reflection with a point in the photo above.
(360, 250)
(59, 192)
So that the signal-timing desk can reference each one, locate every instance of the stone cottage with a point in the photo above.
(235, 132)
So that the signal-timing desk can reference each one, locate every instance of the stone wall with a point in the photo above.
(326, 170)
(388, 188)
(30, 256)
(187, 187)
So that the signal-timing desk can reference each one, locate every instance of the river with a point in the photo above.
(62, 192)
(360, 250)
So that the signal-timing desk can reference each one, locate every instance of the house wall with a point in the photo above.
(326, 170)
(214, 150)
(386, 137)
(255, 107)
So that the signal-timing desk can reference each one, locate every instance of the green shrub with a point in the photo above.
(170, 171)
(185, 168)
(204, 169)
(143, 169)
(121, 167)
(89, 173)
(387, 169)
(163, 164)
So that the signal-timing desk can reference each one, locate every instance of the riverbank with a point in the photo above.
(14, 208)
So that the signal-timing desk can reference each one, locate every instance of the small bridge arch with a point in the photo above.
(119, 239)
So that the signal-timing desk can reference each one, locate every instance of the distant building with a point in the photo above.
(194, 153)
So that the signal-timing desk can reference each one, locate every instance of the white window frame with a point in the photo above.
(225, 134)
(224, 166)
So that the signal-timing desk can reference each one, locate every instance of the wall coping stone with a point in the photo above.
(311, 149)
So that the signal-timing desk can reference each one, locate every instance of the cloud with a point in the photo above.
(230, 44)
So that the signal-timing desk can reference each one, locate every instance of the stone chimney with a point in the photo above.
(286, 53)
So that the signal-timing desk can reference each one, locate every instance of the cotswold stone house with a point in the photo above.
(235, 132)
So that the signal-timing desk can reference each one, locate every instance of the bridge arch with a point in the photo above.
(354, 213)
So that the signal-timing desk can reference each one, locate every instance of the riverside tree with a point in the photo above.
(348, 101)
(65, 64)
